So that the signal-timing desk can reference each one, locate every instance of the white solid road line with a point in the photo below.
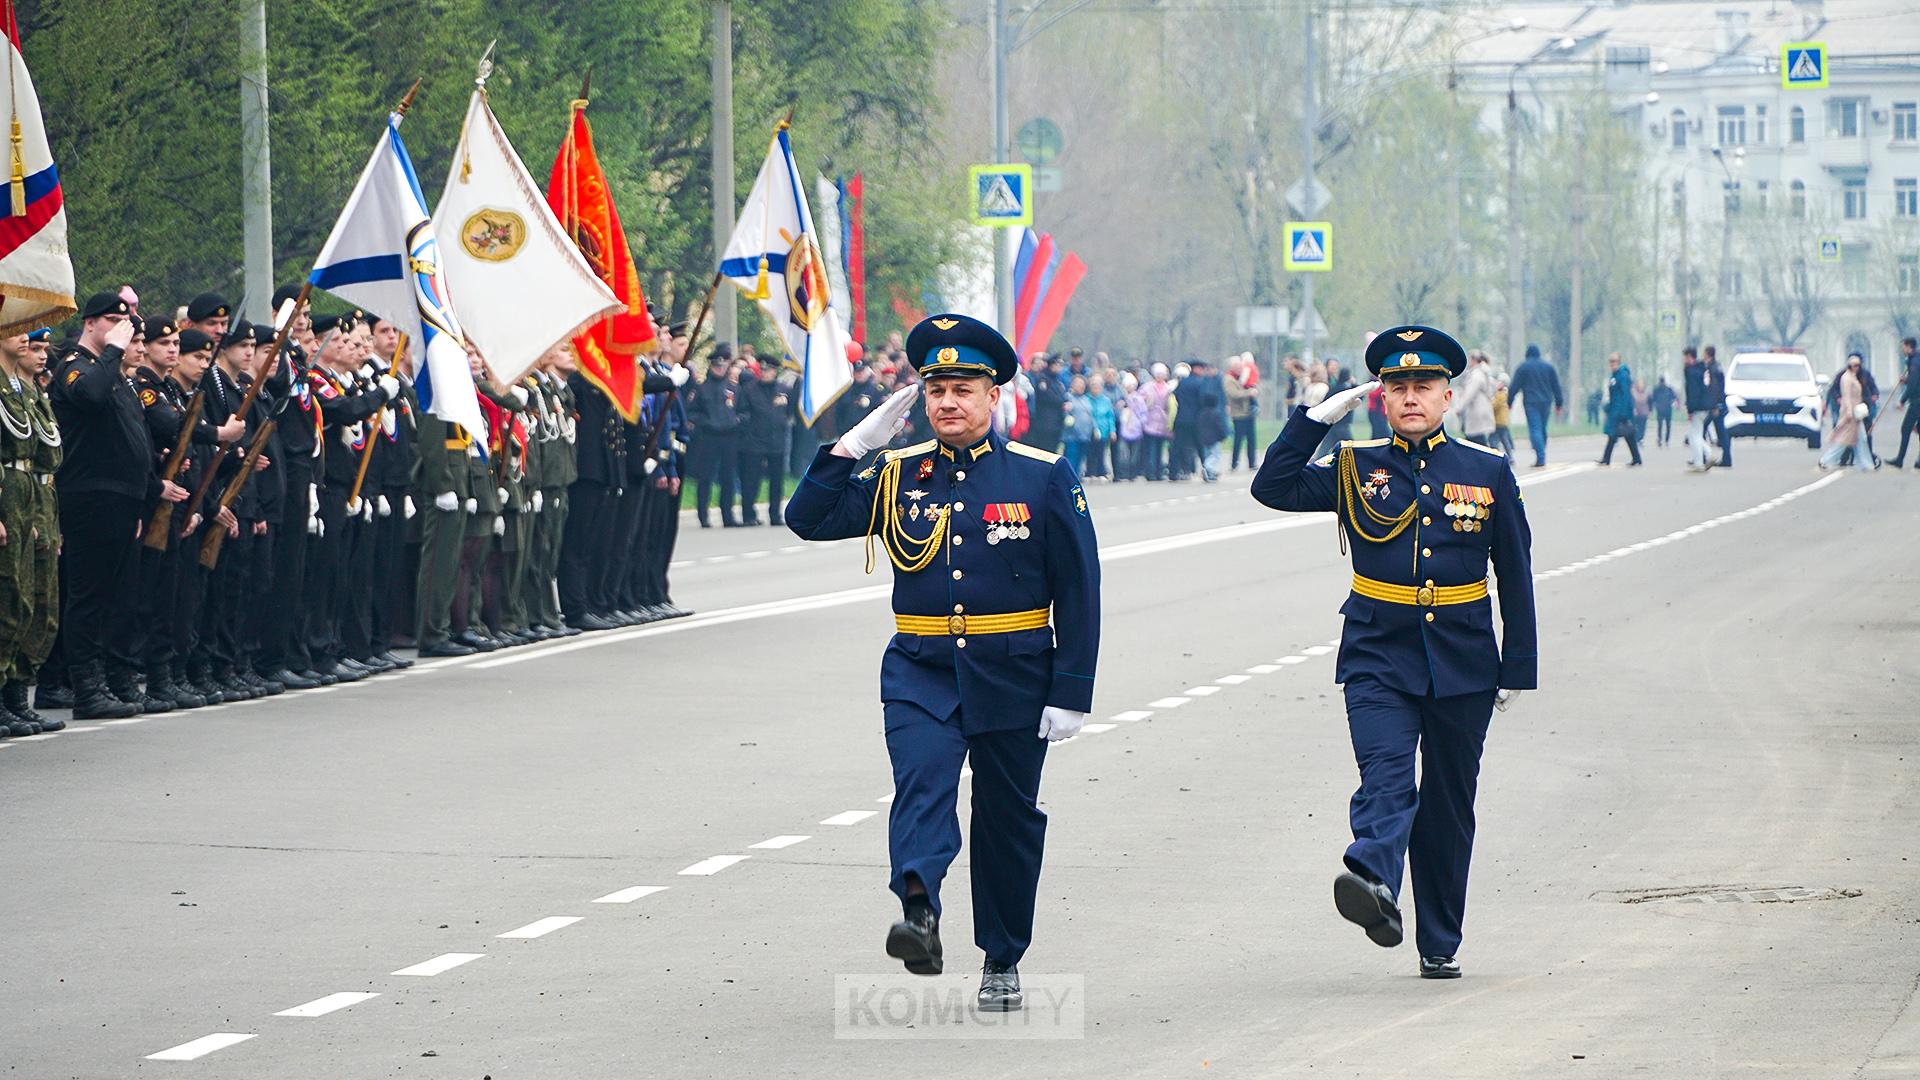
(200, 1047)
(711, 866)
(330, 1003)
(442, 963)
(777, 842)
(542, 927)
(630, 894)
(849, 817)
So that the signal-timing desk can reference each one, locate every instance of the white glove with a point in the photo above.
(447, 501)
(320, 528)
(1057, 724)
(473, 505)
(366, 370)
(353, 507)
(648, 466)
(366, 509)
(382, 506)
(408, 507)
(313, 525)
(537, 500)
(501, 495)
(391, 385)
(518, 394)
(499, 526)
(1503, 698)
(389, 421)
(1342, 403)
(313, 499)
(880, 425)
(679, 374)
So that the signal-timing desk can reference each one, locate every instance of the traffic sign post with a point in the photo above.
(1309, 246)
(1803, 65)
(1002, 195)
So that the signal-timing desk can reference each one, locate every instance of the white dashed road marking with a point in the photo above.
(1201, 691)
(849, 817)
(443, 963)
(1133, 716)
(629, 895)
(542, 927)
(200, 1047)
(777, 842)
(325, 1005)
(711, 866)
(1168, 703)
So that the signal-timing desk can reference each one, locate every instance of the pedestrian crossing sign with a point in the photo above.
(1803, 65)
(1002, 195)
(1309, 246)
(1829, 249)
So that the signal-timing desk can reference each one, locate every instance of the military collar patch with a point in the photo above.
(985, 448)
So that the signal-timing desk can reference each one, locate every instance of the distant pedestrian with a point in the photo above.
(1620, 421)
(1502, 416)
(1696, 381)
(1242, 408)
(1536, 387)
(1910, 393)
(1473, 397)
(1078, 429)
(1716, 387)
(1850, 403)
(1662, 401)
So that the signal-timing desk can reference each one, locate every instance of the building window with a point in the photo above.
(1906, 197)
(1907, 274)
(1679, 198)
(1906, 122)
(1760, 124)
(1853, 200)
(1843, 118)
(1730, 196)
(1760, 189)
(1679, 123)
(1797, 125)
(1798, 199)
(1733, 125)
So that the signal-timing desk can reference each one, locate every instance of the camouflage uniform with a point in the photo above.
(29, 568)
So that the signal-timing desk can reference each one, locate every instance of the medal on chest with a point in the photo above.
(1469, 506)
(1006, 521)
(1376, 485)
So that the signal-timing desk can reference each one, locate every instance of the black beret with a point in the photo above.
(264, 334)
(193, 341)
(104, 303)
(241, 330)
(327, 324)
(1409, 351)
(955, 344)
(208, 306)
(159, 326)
(283, 294)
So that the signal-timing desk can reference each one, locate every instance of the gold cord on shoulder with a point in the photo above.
(909, 556)
(1348, 496)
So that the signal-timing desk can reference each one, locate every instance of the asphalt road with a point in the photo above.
(1693, 857)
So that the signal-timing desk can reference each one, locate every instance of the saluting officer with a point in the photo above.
(1425, 513)
(988, 539)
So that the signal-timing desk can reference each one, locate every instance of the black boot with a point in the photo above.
(200, 682)
(92, 700)
(51, 696)
(125, 685)
(162, 686)
(21, 721)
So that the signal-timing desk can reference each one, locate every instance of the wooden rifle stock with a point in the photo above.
(161, 523)
(373, 431)
(210, 547)
(246, 403)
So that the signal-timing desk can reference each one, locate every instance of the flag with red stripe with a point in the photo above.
(36, 272)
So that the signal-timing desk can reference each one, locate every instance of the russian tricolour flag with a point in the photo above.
(36, 273)
(383, 257)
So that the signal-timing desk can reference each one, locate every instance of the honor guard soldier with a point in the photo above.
(1424, 513)
(988, 538)
(29, 573)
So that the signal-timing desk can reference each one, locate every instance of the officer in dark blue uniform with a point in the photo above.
(1425, 513)
(996, 600)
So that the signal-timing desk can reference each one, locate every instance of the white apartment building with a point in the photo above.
(1722, 132)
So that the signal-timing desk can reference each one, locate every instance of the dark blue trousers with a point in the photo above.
(1537, 432)
(1429, 824)
(1009, 829)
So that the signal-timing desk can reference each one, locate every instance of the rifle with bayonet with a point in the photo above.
(246, 402)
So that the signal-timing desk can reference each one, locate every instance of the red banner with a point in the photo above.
(1054, 307)
(578, 194)
(857, 254)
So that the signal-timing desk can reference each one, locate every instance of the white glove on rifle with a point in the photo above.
(473, 505)
(1331, 410)
(1057, 724)
(648, 466)
(499, 526)
(313, 499)
(391, 385)
(1503, 698)
(880, 425)
(382, 506)
(679, 373)
(447, 501)
(313, 525)
(537, 501)
(408, 506)
(353, 507)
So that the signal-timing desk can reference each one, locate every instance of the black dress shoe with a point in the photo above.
(376, 665)
(1368, 905)
(293, 680)
(566, 631)
(446, 648)
(274, 687)
(345, 671)
(999, 988)
(475, 640)
(399, 663)
(915, 941)
(588, 621)
(1439, 967)
(318, 677)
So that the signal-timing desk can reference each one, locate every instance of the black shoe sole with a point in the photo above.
(1443, 973)
(1009, 1003)
(907, 947)
(1358, 905)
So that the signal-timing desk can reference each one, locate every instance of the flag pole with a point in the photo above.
(407, 102)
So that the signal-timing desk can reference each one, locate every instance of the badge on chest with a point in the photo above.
(1006, 521)
(1468, 506)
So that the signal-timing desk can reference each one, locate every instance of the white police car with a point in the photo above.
(1773, 395)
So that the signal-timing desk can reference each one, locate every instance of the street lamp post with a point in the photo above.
(1516, 319)
(1730, 200)
(1454, 261)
